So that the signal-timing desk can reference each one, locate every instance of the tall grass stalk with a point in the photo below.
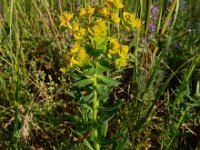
(148, 13)
(161, 7)
(187, 76)
(172, 8)
(15, 75)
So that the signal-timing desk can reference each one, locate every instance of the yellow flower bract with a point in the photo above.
(75, 26)
(105, 12)
(98, 28)
(87, 11)
(77, 56)
(65, 18)
(131, 20)
(116, 3)
(115, 18)
(123, 56)
(80, 34)
(121, 62)
(75, 48)
(118, 51)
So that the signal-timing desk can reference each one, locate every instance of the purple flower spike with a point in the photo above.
(154, 10)
(70, 45)
(155, 17)
(147, 40)
(177, 45)
(93, 2)
(152, 27)
(70, 35)
(169, 22)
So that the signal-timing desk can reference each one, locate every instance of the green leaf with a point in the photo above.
(102, 90)
(86, 112)
(83, 82)
(98, 40)
(120, 146)
(106, 116)
(92, 51)
(76, 77)
(102, 47)
(88, 144)
(86, 106)
(71, 94)
(195, 104)
(113, 139)
(102, 67)
(87, 98)
(111, 107)
(108, 81)
(90, 72)
(73, 118)
(104, 129)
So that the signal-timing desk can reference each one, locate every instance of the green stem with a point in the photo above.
(95, 111)
(160, 16)
(148, 13)
(172, 8)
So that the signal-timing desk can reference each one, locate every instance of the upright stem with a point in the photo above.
(95, 111)
(172, 8)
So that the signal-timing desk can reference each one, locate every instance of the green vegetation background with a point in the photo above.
(160, 88)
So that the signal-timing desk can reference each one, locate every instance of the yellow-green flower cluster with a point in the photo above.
(115, 18)
(104, 12)
(114, 3)
(79, 32)
(90, 27)
(118, 52)
(131, 20)
(98, 28)
(76, 57)
(123, 56)
(87, 11)
(109, 10)
(65, 19)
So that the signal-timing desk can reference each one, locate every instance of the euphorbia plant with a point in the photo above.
(94, 54)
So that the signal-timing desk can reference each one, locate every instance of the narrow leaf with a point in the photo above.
(103, 66)
(88, 144)
(87, 98)
(73, 118)
(111, 107)
(104, 128)
(107, 116)
(120, 146)
(108, 81)
(102, 90)
(83, 82)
